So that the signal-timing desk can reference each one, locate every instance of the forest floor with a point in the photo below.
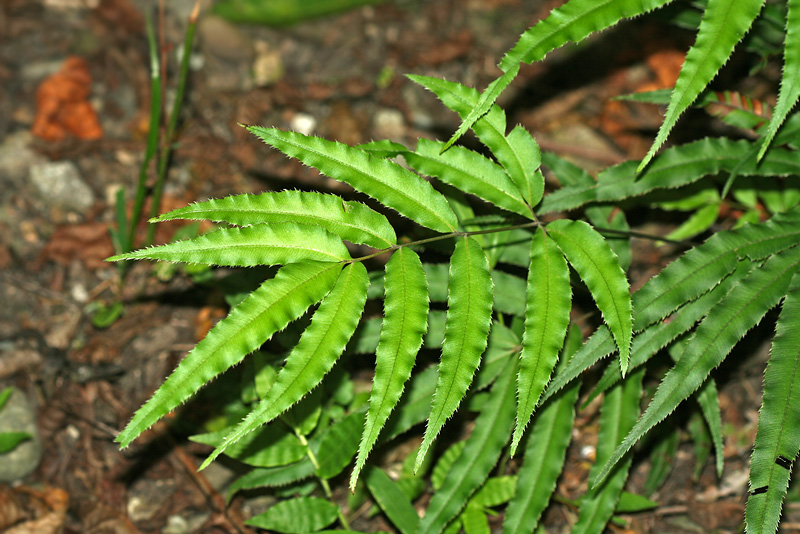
(341, 78)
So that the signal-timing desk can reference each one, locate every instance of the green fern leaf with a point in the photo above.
(470, 172)
(549, 296)
(260, 244)
(509, 293)
(727, 322)
(599, 268)
(469, 316)
(708, 400)
(350, 220)
(270, 446)
(267, 310)
(338, 445)
(790, 88)
(617, 415)
(318, 349)
(297, 516)
(778, 434)
(525, 155)
(271, 477)
(404, 325)
(724, 24)
(480, 454)
(573, 22)
(383, 180)
(545, 452)
(392, 500)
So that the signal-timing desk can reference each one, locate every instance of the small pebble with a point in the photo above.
(60, 184)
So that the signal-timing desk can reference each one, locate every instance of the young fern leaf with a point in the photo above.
(790, 80)
(724, 24)
(522, 164)
(481, 452)
(599, 268)
(266, 310)
(545, 452)
(383, 180)
(350, 220)
(549, 296)
(617, 415)
(404, 325)
(469, 314)
(260, 244)
(470, 172)
(572, 22)
(318, 349)
(778, 424)
(727, 322)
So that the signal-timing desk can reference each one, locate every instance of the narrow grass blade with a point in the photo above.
(265, 311)
(350, 220)
(469, 316)
(778, 438)
(599, 268)
(260, 244)
(728, 322)
(404, 325)
(549, 298)
(383, 180)
(318, 349)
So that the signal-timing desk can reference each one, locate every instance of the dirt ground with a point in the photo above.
(342, 78)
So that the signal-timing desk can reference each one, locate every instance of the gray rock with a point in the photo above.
(60, 184)
(18, 416)
(16, 157)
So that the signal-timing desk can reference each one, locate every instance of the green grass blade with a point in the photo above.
(617, 415)
(350, 220)
(549, 298)
(724, 24)
(778, 424)
(392, 500)
(599, 268)
(728, 322)
(383, 180)
(469, 316)
(260, 244)
(318, 349)
(297, 516)
(790, 79)
(266, 310)
(480, 454)
(470, 172)
(522, 164)
(545, 453)
(404, 325)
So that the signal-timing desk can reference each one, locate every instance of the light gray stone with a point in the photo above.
(60, 184)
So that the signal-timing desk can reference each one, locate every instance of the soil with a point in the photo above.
(342, 78)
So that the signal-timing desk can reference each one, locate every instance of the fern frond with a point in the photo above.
(350, 220)
(469, 316)
(545, 452)
(271, 477)
(617, 415)
(549, 296)
(318, 349)
(383, 180)
(522, 164)
(470, 172)
(778, 438)
(266, 310)
(727, 322)
(404, 325)
(260, 244)
(481, 452)
(392, 500)
(599, 268)
(724, 24)
(708, 400)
